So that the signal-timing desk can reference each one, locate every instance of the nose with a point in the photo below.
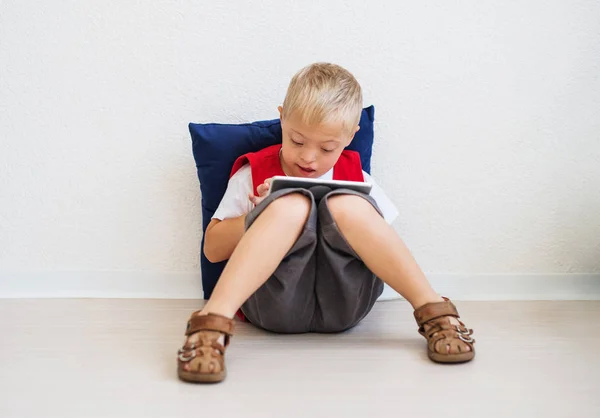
(308, 157)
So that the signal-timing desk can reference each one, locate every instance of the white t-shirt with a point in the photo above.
(235, 203)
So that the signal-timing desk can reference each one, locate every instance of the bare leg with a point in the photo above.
(382, 250)
(258, 253)
(255, 258)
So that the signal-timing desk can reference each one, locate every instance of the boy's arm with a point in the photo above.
(222, 237)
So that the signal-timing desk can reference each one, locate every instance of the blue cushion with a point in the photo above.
(217, 146)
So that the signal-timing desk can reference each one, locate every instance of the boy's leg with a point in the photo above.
(383, 252)
(258, 253)
(380, 248)
(276, 226)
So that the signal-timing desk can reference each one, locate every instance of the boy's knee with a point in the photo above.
(348, 206)
(293, 207)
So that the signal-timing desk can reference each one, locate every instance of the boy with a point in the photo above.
(310, 260)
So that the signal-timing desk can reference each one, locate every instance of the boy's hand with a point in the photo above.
(263, 190)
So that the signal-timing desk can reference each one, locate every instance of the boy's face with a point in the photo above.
(311, 151)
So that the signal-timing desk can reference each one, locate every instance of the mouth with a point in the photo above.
(305, 170)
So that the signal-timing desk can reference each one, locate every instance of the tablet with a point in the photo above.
(285, 182)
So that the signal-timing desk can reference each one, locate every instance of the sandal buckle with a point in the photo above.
(185, 359)
(466, 331)
(182, 351)
(466, 340)
(464, 335)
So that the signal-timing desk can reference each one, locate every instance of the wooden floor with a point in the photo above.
(116, 358)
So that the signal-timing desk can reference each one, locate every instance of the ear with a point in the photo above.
(352, 136)
(280, 112)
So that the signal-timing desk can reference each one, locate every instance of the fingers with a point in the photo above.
(264, 188)
(255, 200)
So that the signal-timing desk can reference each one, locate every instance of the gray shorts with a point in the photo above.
(321, 285)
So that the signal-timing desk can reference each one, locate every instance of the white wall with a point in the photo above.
(488, 123)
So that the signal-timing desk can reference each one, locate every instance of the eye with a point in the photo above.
(299, 144)
(327, 150)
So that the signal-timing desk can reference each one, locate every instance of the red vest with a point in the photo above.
(265, 164)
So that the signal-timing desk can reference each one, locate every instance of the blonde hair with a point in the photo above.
(324, 93)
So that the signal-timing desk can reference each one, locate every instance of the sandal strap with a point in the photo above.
(435, 310)
(210, 322)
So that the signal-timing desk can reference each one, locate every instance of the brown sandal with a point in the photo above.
(204, 361)
(442, 333)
